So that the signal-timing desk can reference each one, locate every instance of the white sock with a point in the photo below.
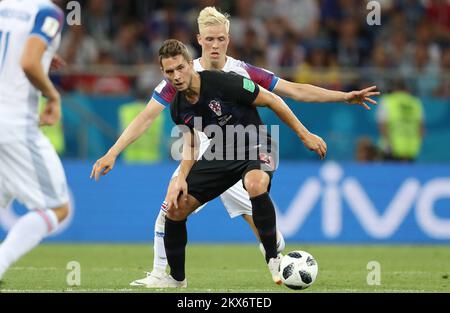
(159, 258)
(26, 234)
(281, 244)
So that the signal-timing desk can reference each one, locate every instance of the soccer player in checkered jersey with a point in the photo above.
(214, 38)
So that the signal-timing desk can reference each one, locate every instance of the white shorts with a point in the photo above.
(32, 173)
(236, 199)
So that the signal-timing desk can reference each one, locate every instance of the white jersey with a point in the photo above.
(19, 99)
(165, 92)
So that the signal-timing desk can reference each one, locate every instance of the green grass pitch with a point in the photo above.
(231, 268)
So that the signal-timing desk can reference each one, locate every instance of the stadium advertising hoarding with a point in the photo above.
(316, 202)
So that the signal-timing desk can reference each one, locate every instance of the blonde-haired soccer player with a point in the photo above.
(214, 38)
(30, 170)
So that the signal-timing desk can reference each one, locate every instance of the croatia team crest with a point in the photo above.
(215, 106)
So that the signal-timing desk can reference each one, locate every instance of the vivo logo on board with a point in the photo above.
(333, 188)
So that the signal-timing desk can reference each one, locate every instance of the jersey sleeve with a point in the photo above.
(48, 23)
(244, 90)
(164, 93)
(262, 77)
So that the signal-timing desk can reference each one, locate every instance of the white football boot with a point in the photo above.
(169, 282)
(152, 279)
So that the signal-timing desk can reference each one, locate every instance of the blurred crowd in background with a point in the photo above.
(322, 42)
(113, 69)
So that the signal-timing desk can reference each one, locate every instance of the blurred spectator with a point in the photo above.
(330, 16)
(421, 74)
(354, 9)
(78, 48)
(400, 119)
(334, 11)
(99, 22)
(287, 55)
(366, 150)
(264, 10)
(443, 90)
(438, 16)
(350, 48)
(378, 69)
(105, 79)
(319, 68)
(414, 11)
(163, 24)
(392, 22)
(127, 50)
(396, 47)
(253, 49)
(276, 34)
(244, 24)
(299, 17)
(424, 37)
(149, 77)
(110, 82)
(321, 42)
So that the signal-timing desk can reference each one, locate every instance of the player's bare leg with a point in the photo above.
(280, 239)
(250, 222)
(257, 183)
(28, 232)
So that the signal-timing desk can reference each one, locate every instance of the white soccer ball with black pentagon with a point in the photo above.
(298, 270)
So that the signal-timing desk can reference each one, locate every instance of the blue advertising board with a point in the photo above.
(316, 202)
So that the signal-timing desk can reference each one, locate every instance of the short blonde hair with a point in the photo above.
(211, 16)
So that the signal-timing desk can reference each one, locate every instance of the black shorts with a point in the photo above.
(209, 179)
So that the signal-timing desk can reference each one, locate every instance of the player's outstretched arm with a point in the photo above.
(282, 110)
(311, 93)
(31, 62)
(136, 128)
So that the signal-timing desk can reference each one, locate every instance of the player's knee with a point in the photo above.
(256, 187)
(176, 215)
(179, 214)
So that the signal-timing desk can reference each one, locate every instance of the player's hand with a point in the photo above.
(103, 166)
(57, 63)
(362, 96)
(316, 144)
(52, 111)
(179, 185)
